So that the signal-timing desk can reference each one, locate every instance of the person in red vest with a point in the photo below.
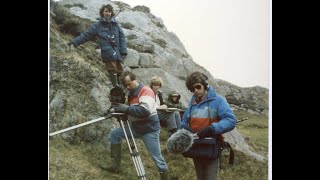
(141, 110)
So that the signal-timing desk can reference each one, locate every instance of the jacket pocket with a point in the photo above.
(109, 54)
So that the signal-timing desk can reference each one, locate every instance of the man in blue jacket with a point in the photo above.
(208, 115)
(112, 42)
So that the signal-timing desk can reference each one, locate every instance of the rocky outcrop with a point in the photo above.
(253, 100)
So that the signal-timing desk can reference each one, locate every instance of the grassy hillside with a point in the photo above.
(81, 161)
(255, 131)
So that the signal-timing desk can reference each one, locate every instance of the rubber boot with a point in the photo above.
(164, 175)
(115, 159)
(113, 78)
(118, 80)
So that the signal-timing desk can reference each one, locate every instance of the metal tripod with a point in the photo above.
(123, 121)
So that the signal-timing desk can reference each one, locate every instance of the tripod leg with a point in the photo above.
(136, 148)
(134, 154)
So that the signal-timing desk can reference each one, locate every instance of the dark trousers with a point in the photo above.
(114, 67)
(206, 169)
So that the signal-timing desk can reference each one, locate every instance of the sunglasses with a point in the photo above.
(195, 87)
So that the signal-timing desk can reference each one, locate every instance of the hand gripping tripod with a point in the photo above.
(123, 121)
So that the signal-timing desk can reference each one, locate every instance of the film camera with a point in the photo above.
(112, 41)
(117, 95)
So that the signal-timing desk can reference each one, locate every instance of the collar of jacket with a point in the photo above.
(136, 91)
(101, 19)
(211, 96)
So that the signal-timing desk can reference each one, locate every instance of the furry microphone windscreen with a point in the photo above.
(180, 141)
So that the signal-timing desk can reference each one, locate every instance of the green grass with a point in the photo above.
(81, 161)
(244, 168)
(255, 131)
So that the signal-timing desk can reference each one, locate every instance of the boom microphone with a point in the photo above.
(180, 141)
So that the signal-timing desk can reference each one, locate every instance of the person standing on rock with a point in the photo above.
(112, 42)
(208, 115)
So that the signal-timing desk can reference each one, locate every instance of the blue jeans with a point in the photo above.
(177, 118)
(172, 119)
(150, 140)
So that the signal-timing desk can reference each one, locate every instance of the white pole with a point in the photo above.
(77, 126)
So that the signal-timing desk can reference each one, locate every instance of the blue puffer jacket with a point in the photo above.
(107, 32)
(219, 116)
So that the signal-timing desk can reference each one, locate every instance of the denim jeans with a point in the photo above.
(177, 118)
(172, 118)
(150, 140)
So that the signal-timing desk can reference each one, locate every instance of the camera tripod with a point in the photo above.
(123, 121)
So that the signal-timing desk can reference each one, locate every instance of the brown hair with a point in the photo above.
(109, 7)
(125, 74)
(196, 77)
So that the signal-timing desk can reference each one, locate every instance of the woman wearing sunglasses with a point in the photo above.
(208, 115)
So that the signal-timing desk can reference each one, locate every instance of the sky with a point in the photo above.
(230, 38)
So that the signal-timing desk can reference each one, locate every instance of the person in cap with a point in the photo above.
(174, 102)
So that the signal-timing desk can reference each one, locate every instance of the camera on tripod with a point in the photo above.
(117, 95)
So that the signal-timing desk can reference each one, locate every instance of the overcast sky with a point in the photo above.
(230, 38)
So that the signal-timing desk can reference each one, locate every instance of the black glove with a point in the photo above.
(186, 127)
(123, 55)
(120, 107)
(205, 132)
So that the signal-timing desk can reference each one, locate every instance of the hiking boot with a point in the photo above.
(115, 159)
(164, 175)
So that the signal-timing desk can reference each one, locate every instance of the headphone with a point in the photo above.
(204, 82)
